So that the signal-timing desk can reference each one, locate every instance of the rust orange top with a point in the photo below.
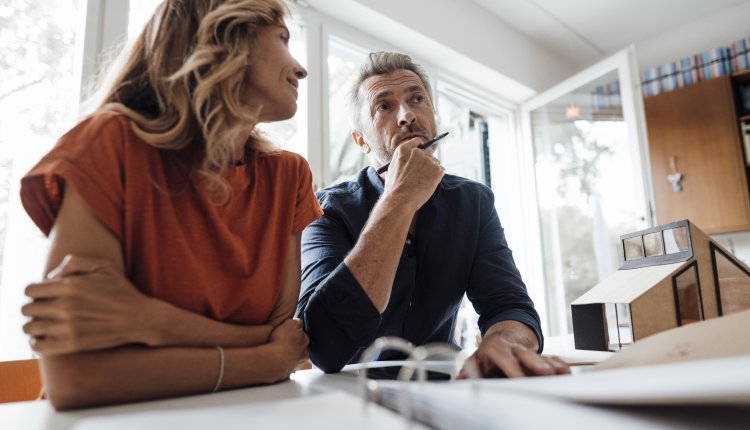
(225, 262)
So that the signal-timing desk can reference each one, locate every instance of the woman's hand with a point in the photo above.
(85, 304)
(290, 344)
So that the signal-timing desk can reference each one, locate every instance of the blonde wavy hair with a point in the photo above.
(183, 81)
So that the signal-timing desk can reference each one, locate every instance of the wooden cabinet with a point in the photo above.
(696, 128)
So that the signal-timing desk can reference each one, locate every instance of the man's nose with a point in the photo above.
(406, 116)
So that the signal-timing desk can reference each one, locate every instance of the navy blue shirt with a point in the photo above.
(458, 247)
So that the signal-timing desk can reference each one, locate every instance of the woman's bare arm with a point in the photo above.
(286, 304)
(95, 256)
(115, 373)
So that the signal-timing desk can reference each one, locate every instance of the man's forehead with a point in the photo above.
(396, 82)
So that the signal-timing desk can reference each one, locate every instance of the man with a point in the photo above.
(394, 253)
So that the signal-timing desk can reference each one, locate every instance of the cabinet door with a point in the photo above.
(694, 130)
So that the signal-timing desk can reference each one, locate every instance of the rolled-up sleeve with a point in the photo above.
(338, 315)
(495, 287)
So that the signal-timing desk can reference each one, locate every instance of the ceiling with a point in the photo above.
(582, 31)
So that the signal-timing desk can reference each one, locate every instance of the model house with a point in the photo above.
(673, 275)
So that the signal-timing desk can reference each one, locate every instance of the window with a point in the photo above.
(292, 133)
(345, 157)
(687, 292)
(38, 101)
(587, 190)
(619, 325)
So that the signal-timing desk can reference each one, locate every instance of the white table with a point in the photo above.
(313, 400)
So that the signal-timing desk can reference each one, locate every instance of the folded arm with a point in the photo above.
(85, 313)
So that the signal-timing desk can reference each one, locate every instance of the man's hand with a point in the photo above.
(506, 352)
(414, 173)
(85, 304)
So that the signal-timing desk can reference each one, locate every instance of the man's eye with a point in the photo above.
(384, 106)
(286, 40)
(419, 98)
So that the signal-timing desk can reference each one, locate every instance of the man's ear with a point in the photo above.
(359, 139)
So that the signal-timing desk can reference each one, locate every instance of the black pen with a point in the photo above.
(424, 145)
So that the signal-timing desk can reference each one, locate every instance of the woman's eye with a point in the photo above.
(286, 40)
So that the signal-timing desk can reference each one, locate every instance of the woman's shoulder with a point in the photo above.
(99, 131)
(285, 160)
(105, 122)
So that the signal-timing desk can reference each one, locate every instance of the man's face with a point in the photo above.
(396, 108)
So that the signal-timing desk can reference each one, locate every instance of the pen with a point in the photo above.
(424, 145)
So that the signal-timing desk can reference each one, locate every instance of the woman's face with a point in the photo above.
(273, 76)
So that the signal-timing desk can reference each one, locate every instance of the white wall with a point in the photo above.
(458, 36)
(712, 31)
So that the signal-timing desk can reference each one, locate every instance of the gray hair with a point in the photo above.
(382, 63)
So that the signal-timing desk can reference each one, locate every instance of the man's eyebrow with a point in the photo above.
(414, 89)
(382, 95)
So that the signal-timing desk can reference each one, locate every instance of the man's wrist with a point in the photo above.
(396, 199)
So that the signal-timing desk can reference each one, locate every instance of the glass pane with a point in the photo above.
(653, 244)
(633, 248)
(619, 325)
(461, 152)
(587, 190)
(688, 296)
(676, 240)
(344, 61)
(139, 12)
(39, 95)
(734, 285)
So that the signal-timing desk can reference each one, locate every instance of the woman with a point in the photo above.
(174, 227)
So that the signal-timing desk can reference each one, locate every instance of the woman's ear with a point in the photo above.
(359, 139)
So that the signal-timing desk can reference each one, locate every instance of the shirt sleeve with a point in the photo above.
(495, 287)
(338, 315)
(307, 208)
(88, 158)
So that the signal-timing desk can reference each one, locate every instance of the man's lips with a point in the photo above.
(410, 136)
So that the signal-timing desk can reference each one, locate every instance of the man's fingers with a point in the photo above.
(505, 360)
(561, 367)
(534, 363)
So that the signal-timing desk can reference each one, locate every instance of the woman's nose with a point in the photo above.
(300, 71)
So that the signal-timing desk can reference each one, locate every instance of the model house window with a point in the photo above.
(688, 296)
(732, 283)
